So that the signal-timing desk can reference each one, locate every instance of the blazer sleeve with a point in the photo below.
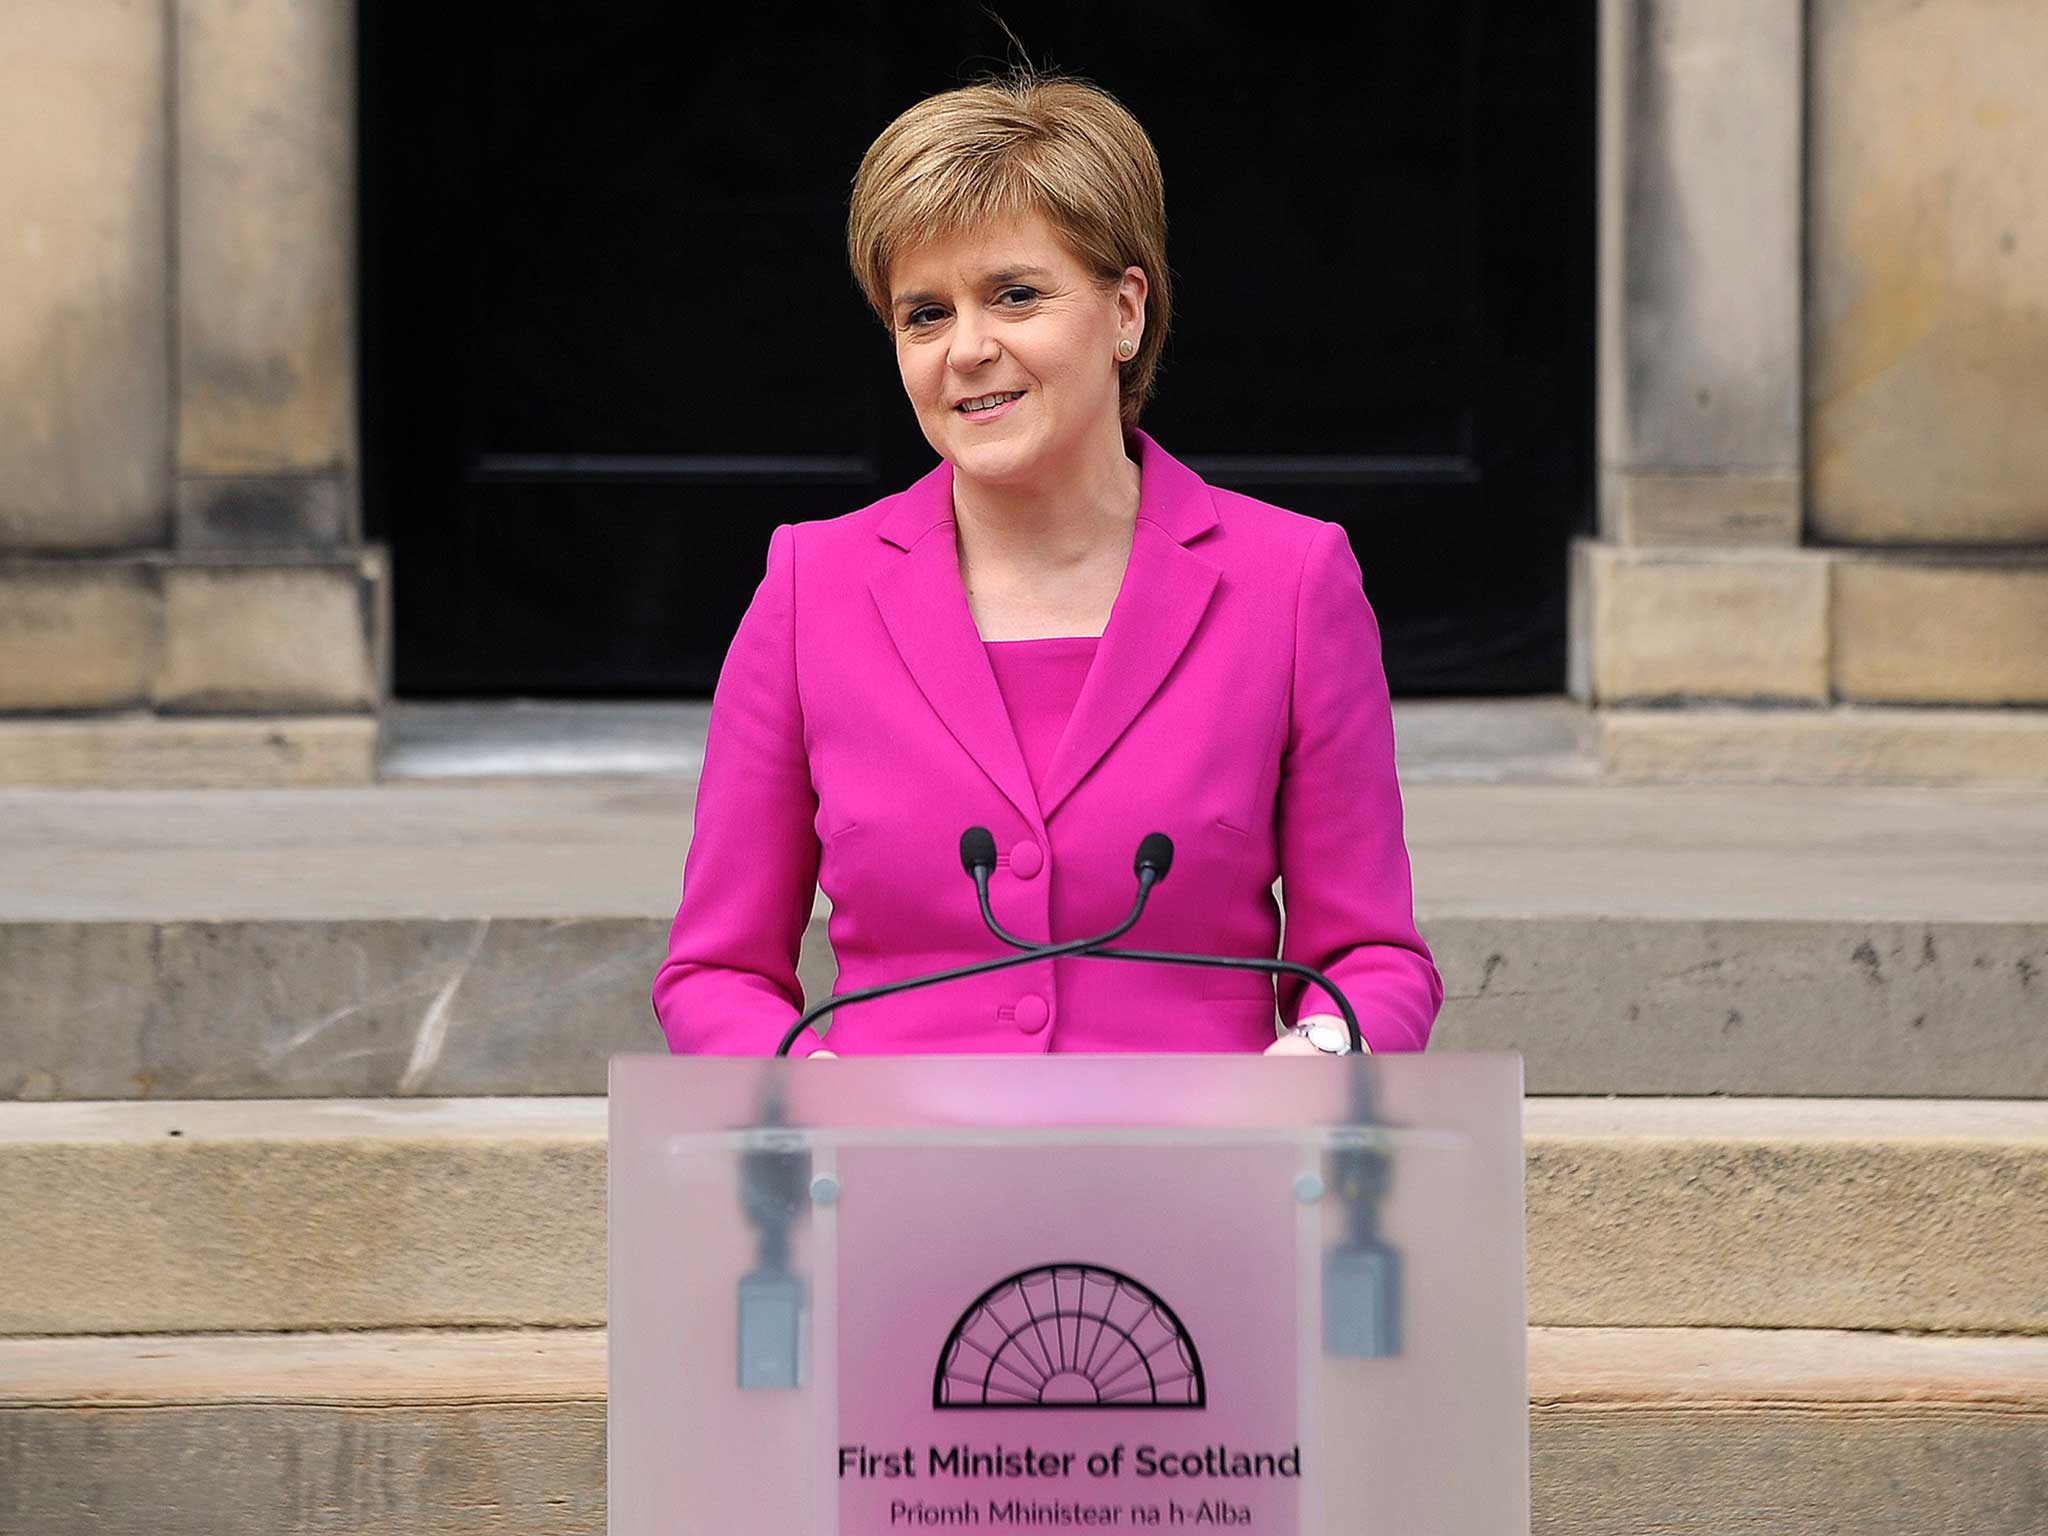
(729, 985)
(1344, 880)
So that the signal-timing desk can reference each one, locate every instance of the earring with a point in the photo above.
(1126, 347)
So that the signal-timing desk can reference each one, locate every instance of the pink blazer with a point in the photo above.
(1236, 702)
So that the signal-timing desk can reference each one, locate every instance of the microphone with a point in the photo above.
(1155, 853)
(975, 851)
(1155, 858)
(978, 857)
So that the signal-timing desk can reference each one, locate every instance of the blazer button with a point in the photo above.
(1032, 1013)
(1026, 859)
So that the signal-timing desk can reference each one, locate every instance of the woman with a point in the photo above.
(1060, 633)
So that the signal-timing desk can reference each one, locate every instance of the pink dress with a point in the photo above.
(1040, 680)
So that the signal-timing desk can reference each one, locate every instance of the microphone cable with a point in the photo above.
(1154, 859)
(1146, 879)
(978, 855)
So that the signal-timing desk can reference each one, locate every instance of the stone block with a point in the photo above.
(1845, 745)
(77, 634)
(78, 1004)
(265, 512)
(1669, 625)
(1646, 509)
(84, 300)
(451, 1433)
(251, 637)
(285, 1215)
(1671, 1431)
(1630, 1004)
(1787, 1213)
(476, 1006)
(1927, 326)
(1700, 222)
(266, 238)
(1909, 633)
(162, 752)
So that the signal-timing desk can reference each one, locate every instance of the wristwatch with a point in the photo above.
(1327, 1035)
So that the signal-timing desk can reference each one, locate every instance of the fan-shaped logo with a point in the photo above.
(1069, 1336)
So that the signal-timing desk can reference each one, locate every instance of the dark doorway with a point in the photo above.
(610, 340)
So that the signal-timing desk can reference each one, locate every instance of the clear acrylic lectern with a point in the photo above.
(1281, 1296)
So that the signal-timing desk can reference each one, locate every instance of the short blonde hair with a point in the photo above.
(1002, 149)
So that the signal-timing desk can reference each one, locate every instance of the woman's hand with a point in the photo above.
(1291, 1044)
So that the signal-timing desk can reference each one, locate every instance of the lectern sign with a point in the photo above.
(870, 1297)
(1058, 1351)
(1115, 1344)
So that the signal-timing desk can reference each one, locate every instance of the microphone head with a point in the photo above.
(1156, 854)
(978, 850)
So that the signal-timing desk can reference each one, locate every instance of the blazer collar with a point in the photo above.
(1166, 589)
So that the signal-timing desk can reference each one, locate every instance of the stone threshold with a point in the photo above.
(143, 750)
(1841, 745)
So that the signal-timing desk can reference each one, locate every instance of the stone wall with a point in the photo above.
(1823, 547)
(185, 595)
(1927, 320)
(85, 406)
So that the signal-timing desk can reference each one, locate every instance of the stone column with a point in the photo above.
(1699, 272)
(184, 593)
(1823, 378)
(267, 441)
(84, 293)
(1928, 392)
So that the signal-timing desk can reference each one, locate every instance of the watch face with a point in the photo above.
(1330, 1035)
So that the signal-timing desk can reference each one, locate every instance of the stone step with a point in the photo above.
(261, 1215)
(464, 937)
(1633, 1432)
(514, 1005)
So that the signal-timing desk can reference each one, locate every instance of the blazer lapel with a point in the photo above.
(1166, 589)
(924, 605)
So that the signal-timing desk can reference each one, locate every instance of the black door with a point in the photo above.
(610, 339)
